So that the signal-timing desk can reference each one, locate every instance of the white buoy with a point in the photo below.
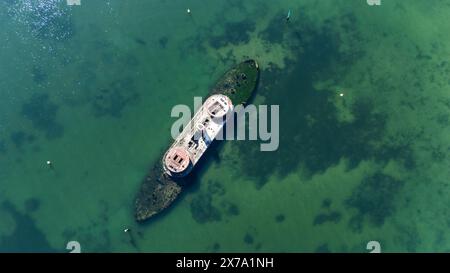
(188, 11)
(126, 230)
(49, 164)
(341, 94)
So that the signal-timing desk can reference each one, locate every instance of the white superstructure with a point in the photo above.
(196, 137)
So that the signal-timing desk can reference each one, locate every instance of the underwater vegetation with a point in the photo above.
(327, 216)
(216, 247)
(322, 249)
(322, 218)
(107, 96)
(215, 187)
(43, 115)
(130, 61)
(274, 30)
(409, 237)
(248, 239)
(202, 209)
(96, 234)
(112, 100)
(230, 208)
(32, 205)
(374, 198)
(163, 42)
(98, 240)
(234, 33)
(279, 218)
(140, 41)
(26, 237)
(39, 75)
(314, 138)
(326, 203)
(2, 147)
(19, 138)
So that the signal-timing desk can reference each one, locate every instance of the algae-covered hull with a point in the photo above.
(159, 190)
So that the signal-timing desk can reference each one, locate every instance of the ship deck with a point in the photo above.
(198, 134)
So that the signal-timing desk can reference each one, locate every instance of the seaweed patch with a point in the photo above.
(95, 233)
(214, 187)
(140, 41)
(19, 138)
(409, 237)
(39, 75)
(112, 100)
(32, 204)
(311, 134)
(163, 42)
(279, 218)
(231, 209)
(248, 239)
(326, 203)
(374, 198)
(216, 247)
(42, 114)
(202, 209)
(274, 32)
(323, 249)
(202, 205)
(3, 149)
(26, 236)
(234, 33)
(322, 218)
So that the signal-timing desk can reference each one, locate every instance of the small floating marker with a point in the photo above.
(341, 94)
(288, 16)
(50, 164)
(126, 230)
(188, 11)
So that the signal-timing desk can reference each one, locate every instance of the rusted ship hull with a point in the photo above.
(159, 190)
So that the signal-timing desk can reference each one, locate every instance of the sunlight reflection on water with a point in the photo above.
(48, 19)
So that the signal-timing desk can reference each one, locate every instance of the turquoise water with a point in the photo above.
(91, 88)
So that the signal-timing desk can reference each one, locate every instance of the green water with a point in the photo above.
(91, 88)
